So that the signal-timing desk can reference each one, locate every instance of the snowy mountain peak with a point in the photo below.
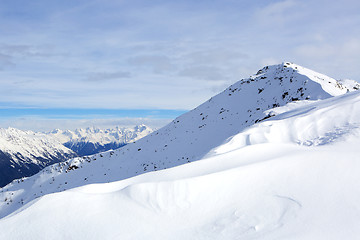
(328, 84)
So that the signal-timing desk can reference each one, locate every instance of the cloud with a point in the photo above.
(18, 54)
(16, 49)
(166, 54)
(158, 63)
(277, 12)
(270, 61)
(5, 61)
(203, 73)
(348, 49)
(21, 50)
(104, 76)
(217, 56)
(336, 59)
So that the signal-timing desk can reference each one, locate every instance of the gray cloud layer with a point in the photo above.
(103, 76)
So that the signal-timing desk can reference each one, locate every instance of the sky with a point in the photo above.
(77, 61)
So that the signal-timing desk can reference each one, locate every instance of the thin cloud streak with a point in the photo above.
(104, 76)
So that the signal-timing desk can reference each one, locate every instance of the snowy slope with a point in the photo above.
(269, 186)
(189, 137)
(94, 140)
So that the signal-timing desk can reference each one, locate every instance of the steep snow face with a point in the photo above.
(94, 140)
(268, 186)
(24, 153)
(189, 137)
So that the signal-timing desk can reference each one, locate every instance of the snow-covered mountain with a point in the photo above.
(94, 140)
(278, 160)
(24, 153)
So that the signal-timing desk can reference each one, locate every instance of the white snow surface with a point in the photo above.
(261, 164)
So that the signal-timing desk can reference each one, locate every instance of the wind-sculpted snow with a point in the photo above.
(257, 177)
(309, 124)
(264, 191)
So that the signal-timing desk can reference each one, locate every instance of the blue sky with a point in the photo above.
(159, 55)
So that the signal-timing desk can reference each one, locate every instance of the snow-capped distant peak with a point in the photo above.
(93, 140)
(24, 153)
(122, 135)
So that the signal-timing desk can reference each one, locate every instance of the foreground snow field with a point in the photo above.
(293, 175)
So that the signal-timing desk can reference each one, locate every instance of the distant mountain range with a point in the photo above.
(24, 153)
(94, 140)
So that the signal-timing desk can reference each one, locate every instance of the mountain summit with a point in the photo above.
(189, 137)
